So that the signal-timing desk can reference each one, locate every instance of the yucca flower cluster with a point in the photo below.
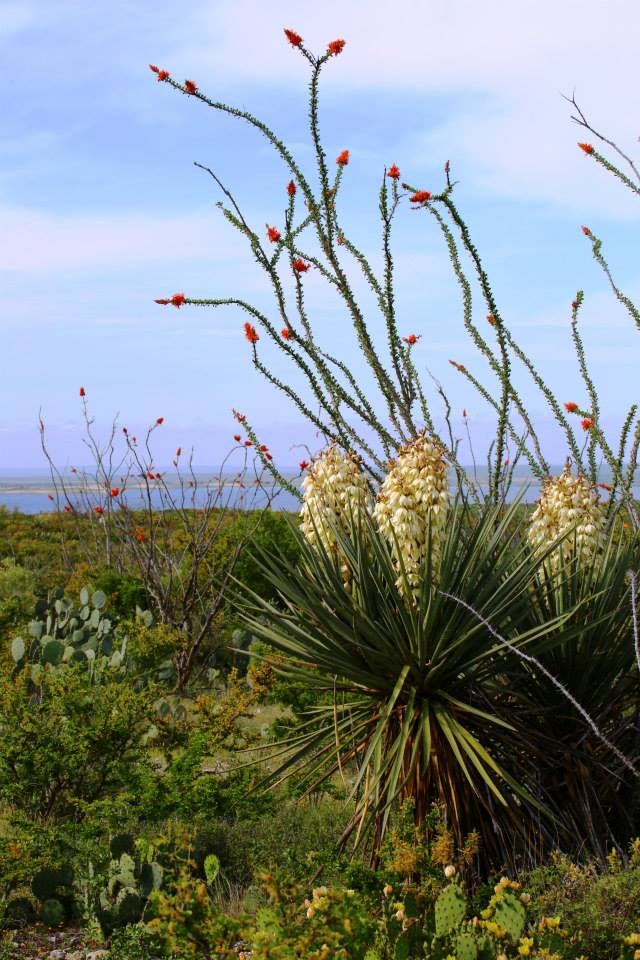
(334, 490)
(412, 507)
(567, 502)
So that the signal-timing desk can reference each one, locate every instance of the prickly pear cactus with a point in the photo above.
(63, 632)
(451, 907)
(466, 947)
(131, 882)
(52, 913)
(509, 914)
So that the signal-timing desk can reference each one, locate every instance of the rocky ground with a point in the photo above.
(36, 943)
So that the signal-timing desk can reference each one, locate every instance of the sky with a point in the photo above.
(102, 209)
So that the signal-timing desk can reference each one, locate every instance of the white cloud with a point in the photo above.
(516, 58)
(36, 241)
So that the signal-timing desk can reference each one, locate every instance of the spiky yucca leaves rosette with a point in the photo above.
(411, 511)
(591, 778)
(410, 691)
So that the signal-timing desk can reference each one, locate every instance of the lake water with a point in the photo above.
(30, 491)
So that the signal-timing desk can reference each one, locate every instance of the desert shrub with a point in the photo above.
(67, 743)
(599, 904)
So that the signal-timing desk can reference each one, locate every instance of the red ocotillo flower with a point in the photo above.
(586, 423)
(251, 333)
(420, 197)
(343, 158)
(412, 338)
(570, 406)
(294, 38)
(586, 147)
(393, 172)
(335, 47)
(177, 299)
(273, 234)
(300, 266)
(285, 333)
(291, 188)
(83, 392)
(190, 86)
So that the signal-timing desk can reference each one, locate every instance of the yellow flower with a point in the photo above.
(524, 948)
(633, 940)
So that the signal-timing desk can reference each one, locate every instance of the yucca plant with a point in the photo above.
(589, 764)
(418, 703)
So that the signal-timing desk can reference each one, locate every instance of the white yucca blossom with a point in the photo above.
(567, 502)
(413, 498)
(334, 489)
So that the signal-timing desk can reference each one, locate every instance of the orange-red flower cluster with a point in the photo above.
(285, 333)
(176, 300)
(114, 491)
(571, 406)
(251, 333)
(98, 510)
(291, 188)
(336, 47)
(586, 147)
(393, 172)
(83, 392)
(160, 420)
(343, 158)
(587, 423)
(294, 38)
(237, 437)
(161, 74)
(459, 366)
(273, 234)
(420, 197)
(412, 338)
(178, 451)
(491, 319)
(586, 231)
(190, 86)
(299, 265)
(304, 464)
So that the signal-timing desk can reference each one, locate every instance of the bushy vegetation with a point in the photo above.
(404, 724)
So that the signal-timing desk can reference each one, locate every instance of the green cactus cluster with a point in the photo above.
(477, 939)
(53, 889)
(450, 911)
(133, 877)
(63, 632)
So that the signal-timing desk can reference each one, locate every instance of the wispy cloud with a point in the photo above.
(35, 240)
(518, 59)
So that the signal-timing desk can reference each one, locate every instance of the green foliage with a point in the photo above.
(134, 942)
(599, 904)
(17, 593)
(69, 744)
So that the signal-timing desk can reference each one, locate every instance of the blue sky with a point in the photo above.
(102, 209)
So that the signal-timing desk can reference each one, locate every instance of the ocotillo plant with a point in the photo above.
(399, 407)
(168, 528)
